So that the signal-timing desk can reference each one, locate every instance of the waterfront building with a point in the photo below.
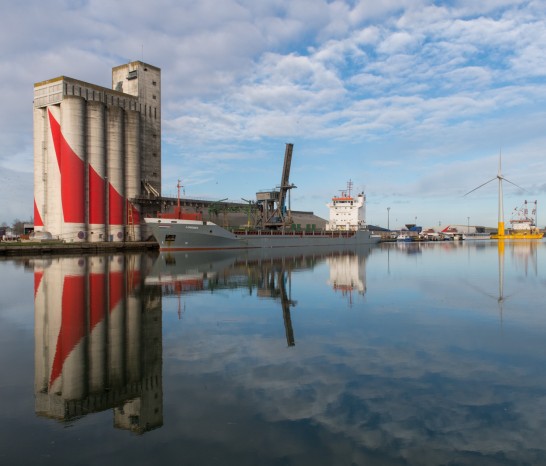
(95, 150)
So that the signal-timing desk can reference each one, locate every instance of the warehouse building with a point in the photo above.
(96, 150)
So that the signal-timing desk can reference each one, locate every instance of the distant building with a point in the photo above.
(96, 149)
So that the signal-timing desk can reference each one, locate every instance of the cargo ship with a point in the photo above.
(178, 231)
(272, 226)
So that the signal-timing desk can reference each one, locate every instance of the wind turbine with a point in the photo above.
(501, 178)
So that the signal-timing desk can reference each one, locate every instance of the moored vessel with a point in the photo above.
(272, 226)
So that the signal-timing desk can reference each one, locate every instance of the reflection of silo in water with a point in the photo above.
(73, 147)
(96, 157)
(52, 324)
(116, 323)
(115, 167)
(97, 323)
(134, 323)
(53, 211)
(95, 349)
(41, 370)
(74, 329)
(132, 171)
(40, 135)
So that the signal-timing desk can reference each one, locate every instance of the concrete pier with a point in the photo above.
(10, 249)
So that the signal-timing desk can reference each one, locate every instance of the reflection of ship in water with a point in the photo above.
(348, 275)
(524, 255)
(267, 273)
(98, 341)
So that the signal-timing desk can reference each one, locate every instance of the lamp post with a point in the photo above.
(468, 225)
(388, 218)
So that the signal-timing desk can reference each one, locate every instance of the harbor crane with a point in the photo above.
(272, 204)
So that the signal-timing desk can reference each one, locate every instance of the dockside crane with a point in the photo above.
(272, 204)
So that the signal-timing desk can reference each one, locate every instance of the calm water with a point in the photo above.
(422, 354)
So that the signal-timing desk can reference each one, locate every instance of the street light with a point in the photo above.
(388, 218)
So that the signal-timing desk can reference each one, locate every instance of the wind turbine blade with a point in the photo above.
(523, 189)
(492, 179)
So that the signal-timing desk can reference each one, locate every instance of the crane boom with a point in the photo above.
(285, 176)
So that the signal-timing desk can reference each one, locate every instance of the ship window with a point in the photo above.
(170, 237)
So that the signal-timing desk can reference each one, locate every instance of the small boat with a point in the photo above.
(403, 237)
(477, 236)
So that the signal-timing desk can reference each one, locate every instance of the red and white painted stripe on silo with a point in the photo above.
(53, 210)
(72, 164)
(40, 115)
(96, 156)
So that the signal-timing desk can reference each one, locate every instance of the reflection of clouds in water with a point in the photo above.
(422, 371)
(436, 393)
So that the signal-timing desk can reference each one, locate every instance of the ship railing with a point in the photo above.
(323, 233)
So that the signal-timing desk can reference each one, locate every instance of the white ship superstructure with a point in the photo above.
(347, 274)
(524, 217)
(347, 213)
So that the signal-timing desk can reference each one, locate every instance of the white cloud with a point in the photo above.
(340, 75)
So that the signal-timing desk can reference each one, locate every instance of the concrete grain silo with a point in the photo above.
(132, 172)
(40, 133)
(97, 153)
(72, 164)
(115, 169)
(53, 209)
(96, 157)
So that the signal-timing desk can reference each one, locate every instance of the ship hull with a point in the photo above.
(186, 235)
(519, 235)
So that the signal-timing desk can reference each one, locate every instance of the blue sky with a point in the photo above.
(411, 100)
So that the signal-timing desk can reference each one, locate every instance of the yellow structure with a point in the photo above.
(531, 233)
